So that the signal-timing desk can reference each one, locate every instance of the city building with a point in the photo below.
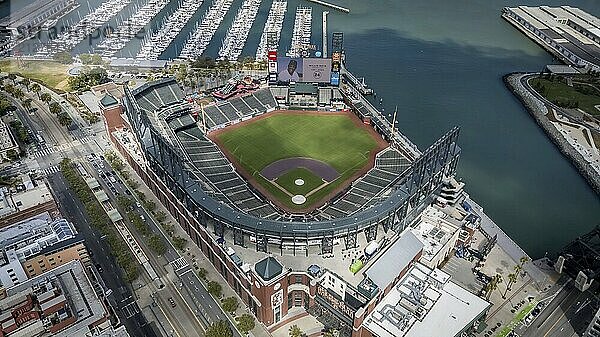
(7, 142)
(569, 33)
(36, 245)
(60, 302)
(426, 303)
(439, 234)
(593, 329)
(30, 198)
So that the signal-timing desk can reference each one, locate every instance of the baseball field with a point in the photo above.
(300, 159)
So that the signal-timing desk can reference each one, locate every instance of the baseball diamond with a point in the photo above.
(327, 150)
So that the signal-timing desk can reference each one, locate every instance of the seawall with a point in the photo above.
(537, 109)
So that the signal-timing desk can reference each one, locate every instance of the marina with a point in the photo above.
(234, 41)
(302, 33)
(73, 35)
(204, 32)
(327, 4)
(154, 45)
(129, 28)
(273, 25)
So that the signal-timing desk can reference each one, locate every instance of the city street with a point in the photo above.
(187, 285)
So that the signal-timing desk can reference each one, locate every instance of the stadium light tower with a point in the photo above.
(325, 34)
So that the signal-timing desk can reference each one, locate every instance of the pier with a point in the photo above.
(327, 4)
(359, 83)
(567, 32)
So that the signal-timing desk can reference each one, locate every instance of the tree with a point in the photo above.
(160, 216)
(25, 82)
(55, 108)
(12, 77)
(219, 329)
(18, 93)
(46, 98)
(202, 273)
(157, 244)
(12, 155)
(245, 323)
(295, 331)
(64, 119)
(179, 242)
(492, 285)
(512, 278)
(230, 304)
(63, 57)
(27, 104)
(35, 87)
(214, 288)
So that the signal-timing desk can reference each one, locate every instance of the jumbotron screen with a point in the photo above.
(300, 69)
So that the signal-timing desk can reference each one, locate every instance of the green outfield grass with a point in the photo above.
(311, 181)
(333, 139)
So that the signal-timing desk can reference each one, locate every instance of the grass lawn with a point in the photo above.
(287, 181)
(517, 319)
(558, 90)
(52, 74)
(331, 138)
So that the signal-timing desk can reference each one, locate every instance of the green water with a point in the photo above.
(441, 62)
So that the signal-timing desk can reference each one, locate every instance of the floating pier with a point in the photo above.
(327, 4)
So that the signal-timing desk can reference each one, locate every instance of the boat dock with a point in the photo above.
(327, 4)
(154, 45)
(274, 24)
(199, 39)
(302, 32)
(129, 28)
(89, 24)
(237, 34)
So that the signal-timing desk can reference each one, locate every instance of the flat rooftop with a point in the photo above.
(425, 303)
(569, 27)
(30, 12)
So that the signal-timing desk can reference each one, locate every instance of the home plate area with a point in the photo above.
(299, 177)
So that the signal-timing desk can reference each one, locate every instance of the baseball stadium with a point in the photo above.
(287, 169)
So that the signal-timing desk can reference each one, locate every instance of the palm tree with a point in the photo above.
(45, 97)
(522, 261)
(18, 93)
(27, 104)
(9, 88)
(35, 87)
(492, 285)
(512, 278)
(26, 82)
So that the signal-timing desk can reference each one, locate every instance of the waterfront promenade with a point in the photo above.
(509, 246)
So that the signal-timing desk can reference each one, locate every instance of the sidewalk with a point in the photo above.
(196, 258)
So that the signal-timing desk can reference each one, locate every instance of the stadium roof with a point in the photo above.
(108, 100)
(268, 268)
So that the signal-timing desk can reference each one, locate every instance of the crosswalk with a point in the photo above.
(50, 170)
(62, 147)
(130, 309)
(179, 263)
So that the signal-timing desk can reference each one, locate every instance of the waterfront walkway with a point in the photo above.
(509, 246)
